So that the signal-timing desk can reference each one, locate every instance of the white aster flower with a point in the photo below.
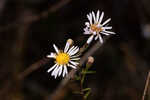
(64, 58)
(95, 27)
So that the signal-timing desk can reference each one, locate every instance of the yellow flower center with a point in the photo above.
(95, 28)
(62, 58)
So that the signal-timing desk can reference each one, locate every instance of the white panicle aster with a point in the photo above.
(95, 27)
(64, 58)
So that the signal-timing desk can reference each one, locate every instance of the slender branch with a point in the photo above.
(146, 86)
(34, 18)
(33, 67)
(28, 20)
(72, 73)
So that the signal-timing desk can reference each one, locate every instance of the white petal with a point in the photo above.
(70, 49)
(55, 76)
(74, 63)
(56, 49)
(100, 38)
(109, 32)
(53, 73)
(90, 39)
(101, 18)
(105, 33)
(97, 16)
(52, 55)
(86, 31)
(76, 47)
(74, 58)
(94, 17)
(107, 28)
(57, 72)
(66, 47)
(96, 37)
(87, 24)
(65, 71)
(106, 21)
(74, 67)
(51, 68)
(94, 32)
(74, 51)
(89, 18)
(60, 70)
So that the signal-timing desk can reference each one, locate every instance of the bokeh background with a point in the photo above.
(28, 28)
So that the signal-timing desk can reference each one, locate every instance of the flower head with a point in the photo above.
(95, 27)
(64, 58)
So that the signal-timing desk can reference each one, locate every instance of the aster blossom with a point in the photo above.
(64, 58)
(96, 27)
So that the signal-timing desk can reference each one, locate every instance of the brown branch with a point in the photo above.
(54, 8)
(146, 86)
(22, 75)
(33, 67)
(16, 52)
(71, 74)
(65, 81)
(33, 18)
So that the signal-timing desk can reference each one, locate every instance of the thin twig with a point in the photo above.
(72, 73)
(33, 18)
(146, 86)
(33, 67)
(30, 19)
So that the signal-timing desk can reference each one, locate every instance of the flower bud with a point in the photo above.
(70, 41)
(90, 62)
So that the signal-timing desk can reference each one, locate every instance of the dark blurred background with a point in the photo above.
(28, 28)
